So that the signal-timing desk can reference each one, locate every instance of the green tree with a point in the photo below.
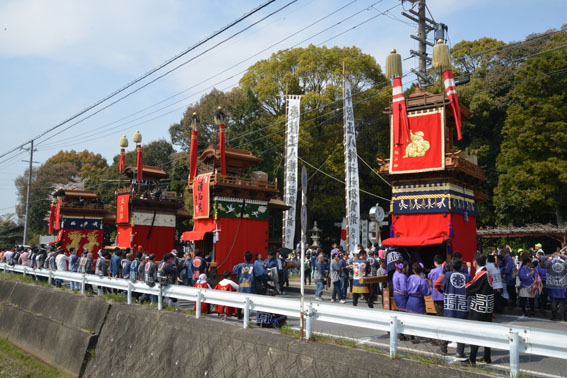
(533, 158)
(10, 232)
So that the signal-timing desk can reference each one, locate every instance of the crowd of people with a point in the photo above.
(474, 290)
(261, 276)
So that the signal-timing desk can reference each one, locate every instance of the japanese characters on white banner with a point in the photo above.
(351, 174)
(290, 197)
(364, 232)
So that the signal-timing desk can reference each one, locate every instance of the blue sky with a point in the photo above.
(59, 56)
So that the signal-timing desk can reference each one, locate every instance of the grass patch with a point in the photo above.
(25, 279)
(287, 331)
(15, 363)
(114, 298)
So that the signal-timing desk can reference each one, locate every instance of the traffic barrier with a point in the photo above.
(516, 340)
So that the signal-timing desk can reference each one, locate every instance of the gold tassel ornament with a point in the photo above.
(441, 57)
(393, 64)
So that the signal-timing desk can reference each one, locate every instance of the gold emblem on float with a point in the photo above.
(418, 145)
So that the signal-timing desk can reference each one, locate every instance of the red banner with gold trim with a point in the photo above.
(123, 208)
(425, 151)
(201, 203)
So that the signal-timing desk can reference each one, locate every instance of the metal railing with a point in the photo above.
(516, 340)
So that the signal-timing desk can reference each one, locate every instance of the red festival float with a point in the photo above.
(434, 188)
(77, 216)
(232, 206)
(146, 215)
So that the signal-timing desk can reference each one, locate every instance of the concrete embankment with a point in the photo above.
(90, 337)
(55, 326)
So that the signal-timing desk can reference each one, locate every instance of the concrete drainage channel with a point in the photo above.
(91, 337)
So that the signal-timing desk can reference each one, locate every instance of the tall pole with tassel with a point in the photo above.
(137, 138)
(193, 157)
(219, 120)
(442, 63)
(400, 121)
(123, 145)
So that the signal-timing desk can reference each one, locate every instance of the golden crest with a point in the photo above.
(418, 145)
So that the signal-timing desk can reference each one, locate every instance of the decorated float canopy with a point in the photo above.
(232, 212)
(78, 218)
(434, 188)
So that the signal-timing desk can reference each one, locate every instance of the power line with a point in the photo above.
(231, 67)
(147, 74)
(171, 70)
(342, 182)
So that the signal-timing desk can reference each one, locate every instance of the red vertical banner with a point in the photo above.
(201, 203)
(425, 150)
(123, 208)
(140, 165)
(57, 215)
(52, 217)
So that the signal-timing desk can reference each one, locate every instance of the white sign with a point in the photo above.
(290, 183)
(351, 174)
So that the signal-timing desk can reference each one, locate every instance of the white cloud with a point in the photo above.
(110, 33)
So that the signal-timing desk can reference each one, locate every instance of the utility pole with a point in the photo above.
(424, 26)
(27, 220)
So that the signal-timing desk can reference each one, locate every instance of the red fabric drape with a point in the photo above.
(238, 236)
(121, 164)
(193, 156)
(222, 150)
(140, 165)
(57, 214)
(451, 91)
(464, 236)
(52, 217)
(421, 229)
(399, 112)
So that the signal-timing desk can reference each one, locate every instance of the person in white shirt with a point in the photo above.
(497, 283)
(61, 264)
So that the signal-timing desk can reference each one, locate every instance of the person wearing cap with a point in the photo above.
(539, 249)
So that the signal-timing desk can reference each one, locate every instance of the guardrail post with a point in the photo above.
(83, 283)
(50, 278)
(129, 292)
(160, 298)
(514, 354)
(198, 305)
(309, 322)
(393, 336)
(246, 312)
(24, 271)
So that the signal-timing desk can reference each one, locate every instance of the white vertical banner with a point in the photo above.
(290, 183)
(364, 232)
(351, 173)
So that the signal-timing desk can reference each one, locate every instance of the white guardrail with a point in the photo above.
(516, 340)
